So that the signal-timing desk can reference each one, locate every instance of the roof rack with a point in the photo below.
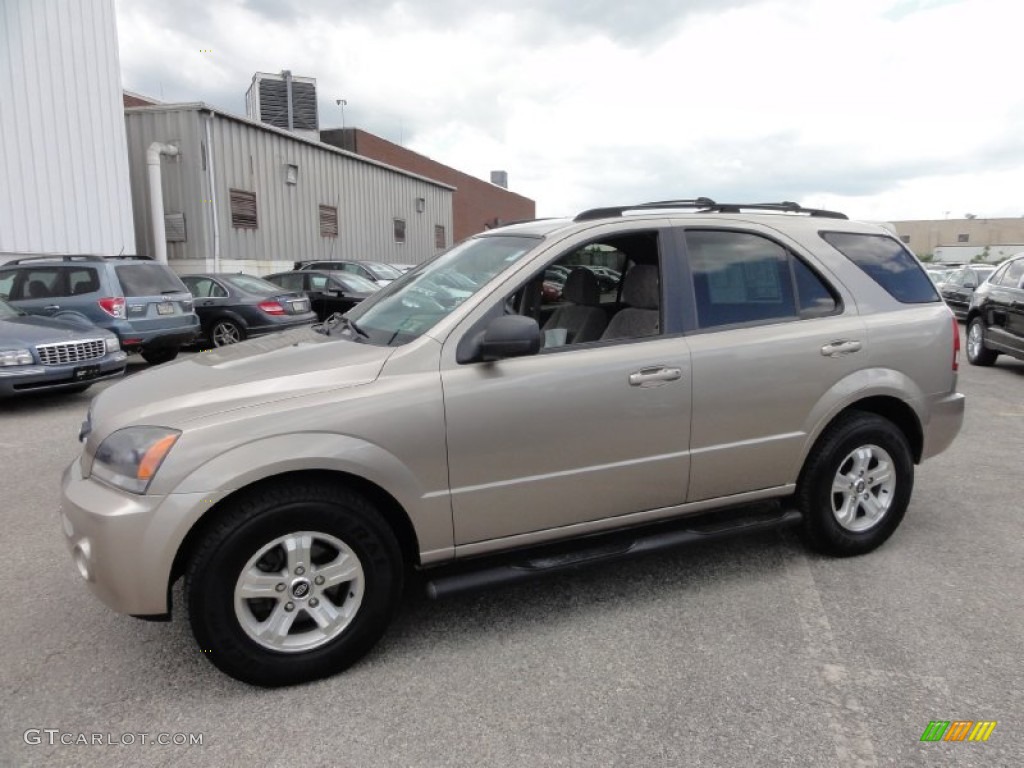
(74, 257)
(707, 205)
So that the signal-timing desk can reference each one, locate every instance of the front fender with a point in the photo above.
(429, 509)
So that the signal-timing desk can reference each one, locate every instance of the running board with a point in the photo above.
(625, 545)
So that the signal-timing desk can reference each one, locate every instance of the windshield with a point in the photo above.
(382, 271)
(417, 301)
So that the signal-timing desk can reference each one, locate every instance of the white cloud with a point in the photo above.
(889, 108)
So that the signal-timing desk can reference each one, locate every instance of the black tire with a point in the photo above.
(224, 332)
(238, 535)
(159, 355)
(830, 459)
(979, 354)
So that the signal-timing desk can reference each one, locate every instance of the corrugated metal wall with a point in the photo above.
(248, 157)
(63, 160)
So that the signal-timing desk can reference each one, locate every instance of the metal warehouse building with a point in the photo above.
(241, 195)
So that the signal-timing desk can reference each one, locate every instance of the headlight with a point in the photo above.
(113, 345)
(15, 357)
(130, 457)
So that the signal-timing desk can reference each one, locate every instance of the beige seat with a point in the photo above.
(641, 292)
(582, 317)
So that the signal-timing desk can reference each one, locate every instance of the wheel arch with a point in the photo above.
(390, 509)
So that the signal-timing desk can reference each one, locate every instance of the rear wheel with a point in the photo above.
(856, 485)
(977, 352)
(226, 332)
(294, 584)
(159, 355)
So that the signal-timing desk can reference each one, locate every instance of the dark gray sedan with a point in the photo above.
(232, 307)
(43, 353)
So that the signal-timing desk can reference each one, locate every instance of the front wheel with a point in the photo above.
(294, 584)
(977, 352)
(856, 485)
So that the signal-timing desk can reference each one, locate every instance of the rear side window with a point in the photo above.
(888, 263)
(739, 278)
(148, 280)
(1011, 278)
(82, 280)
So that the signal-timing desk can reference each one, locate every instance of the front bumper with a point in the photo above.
(16, 380)
(946, 418)
(124, 545)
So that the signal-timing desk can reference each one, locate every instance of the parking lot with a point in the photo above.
(740, 653)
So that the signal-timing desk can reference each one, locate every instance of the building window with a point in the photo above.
(399, 230)
(963, 238)
(328, 221)
(905, 238)
(421, 205)
(439, 237)
(243, 209)
(291, 174)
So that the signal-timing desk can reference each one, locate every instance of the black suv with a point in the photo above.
(995, 318)
(140, 300)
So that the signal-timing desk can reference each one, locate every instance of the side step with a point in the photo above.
(611, 547)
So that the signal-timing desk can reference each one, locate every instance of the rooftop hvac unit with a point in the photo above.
(284, 101)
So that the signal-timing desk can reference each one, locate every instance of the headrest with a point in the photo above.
(640, 287)
(581, 288)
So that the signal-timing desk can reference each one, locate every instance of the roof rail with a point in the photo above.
(707, 205)
(73, 257)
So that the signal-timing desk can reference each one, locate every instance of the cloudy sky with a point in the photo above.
(884, 109)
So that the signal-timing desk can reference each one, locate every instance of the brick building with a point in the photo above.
(477, 204)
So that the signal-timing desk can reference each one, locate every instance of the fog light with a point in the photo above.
(82, 555)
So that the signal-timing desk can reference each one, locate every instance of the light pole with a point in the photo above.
(341, 103)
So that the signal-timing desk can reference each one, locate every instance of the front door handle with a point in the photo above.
(648, 377)
(51, 307)
(841, 347)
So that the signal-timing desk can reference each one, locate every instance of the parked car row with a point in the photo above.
(67, 322)
(995, 315)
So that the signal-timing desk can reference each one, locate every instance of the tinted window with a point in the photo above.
(39, 283)
(289, 282)
(815, 298)
(82, 280)
(1012, 277)
(147, 280)
(739, 278)
(888, 263)
(203, 287)
(318, 282)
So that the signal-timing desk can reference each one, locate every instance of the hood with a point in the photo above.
(33, 329)
(276, 367)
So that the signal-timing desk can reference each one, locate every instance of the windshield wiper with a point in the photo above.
(338, 319)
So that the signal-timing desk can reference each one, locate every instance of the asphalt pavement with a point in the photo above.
(751, 652)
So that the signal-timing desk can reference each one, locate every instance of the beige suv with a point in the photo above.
(753, 366)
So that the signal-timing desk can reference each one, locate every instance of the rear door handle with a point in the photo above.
(647, 377)
(841, 347)
(52, 307)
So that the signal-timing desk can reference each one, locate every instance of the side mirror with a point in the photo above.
(510, 336)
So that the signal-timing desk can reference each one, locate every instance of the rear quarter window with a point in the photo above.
(148, 280)
(888, 263)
